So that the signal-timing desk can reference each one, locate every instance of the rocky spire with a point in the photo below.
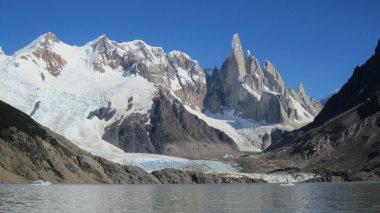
(301, 89)
(236, 44)
(255, 74)
(302, 94)
(237, 53)
(273, 77)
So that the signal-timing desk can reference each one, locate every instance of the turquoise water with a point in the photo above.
(310, 197)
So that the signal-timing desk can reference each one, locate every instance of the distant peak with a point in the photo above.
(102, 37)
(1, 51)
(267, 63)
(51, 36)
(301, 88)
(377, 50)
(236, 42)
(48, 38)
(102, 42)
(269, 67)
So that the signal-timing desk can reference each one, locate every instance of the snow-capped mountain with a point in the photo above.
(108, 97)
(257, 93)
(107, 93)
(245, 89)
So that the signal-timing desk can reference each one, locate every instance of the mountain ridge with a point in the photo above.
(85, 92)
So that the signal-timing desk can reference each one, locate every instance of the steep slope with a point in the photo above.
(29, 151)
(346, 134)
(172, 131)
(327, 97)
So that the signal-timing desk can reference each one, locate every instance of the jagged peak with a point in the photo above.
(236, 42)
(237, 53)
(51, 36)
(268, 65)
(46, 40)
(103, 37)
(251, 57)
(101, 41)
(301, 88)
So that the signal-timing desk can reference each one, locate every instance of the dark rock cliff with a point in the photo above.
(345, 136)
(172, 130)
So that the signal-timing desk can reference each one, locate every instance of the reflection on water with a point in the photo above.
(312, 197)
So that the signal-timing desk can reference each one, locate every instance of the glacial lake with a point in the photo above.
(303, 197)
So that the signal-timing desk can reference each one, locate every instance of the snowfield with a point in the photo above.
(246, 133)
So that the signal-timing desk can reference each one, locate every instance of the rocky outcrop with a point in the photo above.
(103, 113)
(54, 62)
(174, 176)
(256, 93)
(345, 136)
(172, 130)
(131, 134)
(107, 54)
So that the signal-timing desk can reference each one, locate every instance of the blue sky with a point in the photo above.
(316, 42)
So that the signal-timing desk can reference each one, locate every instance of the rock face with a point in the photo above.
(256, 93)
(54, 62)
(172, 131)
(103, 113)
(345, 136)
(30, 151)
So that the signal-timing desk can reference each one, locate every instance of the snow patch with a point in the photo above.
(254, 93)
(279, 177)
